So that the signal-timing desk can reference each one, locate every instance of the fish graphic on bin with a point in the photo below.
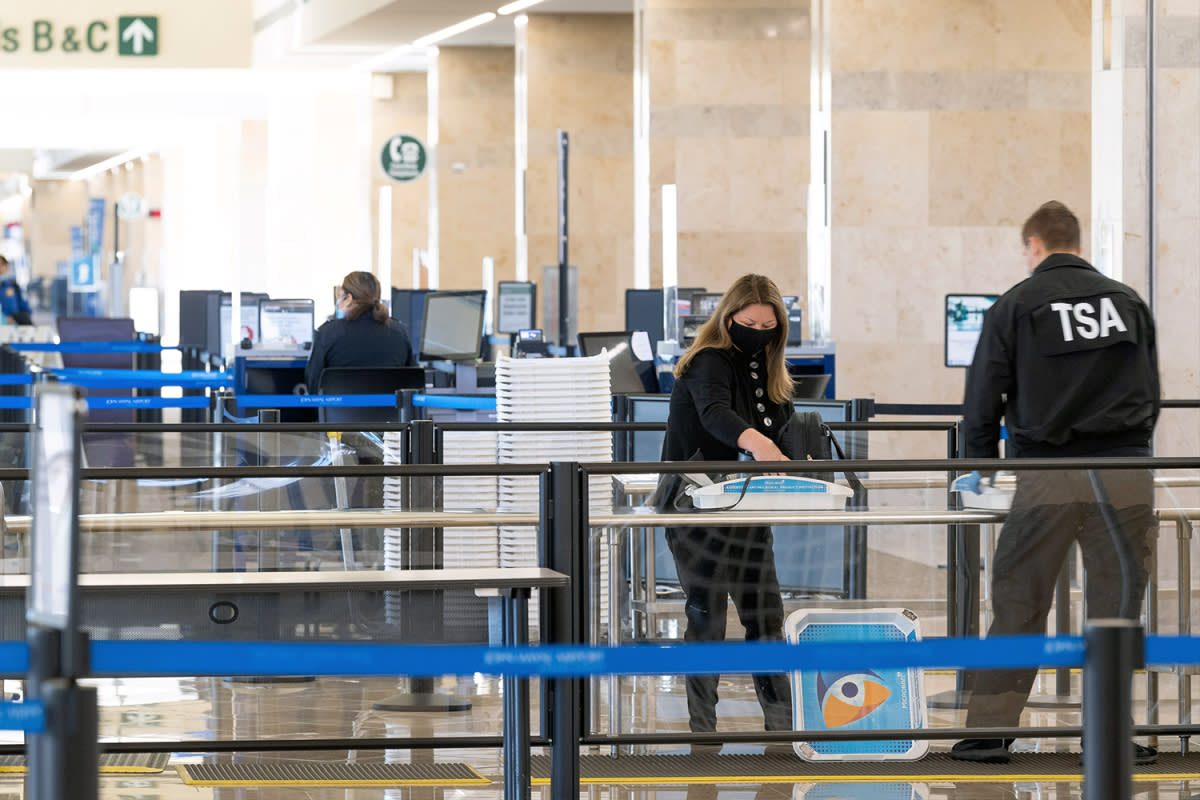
(865, 699)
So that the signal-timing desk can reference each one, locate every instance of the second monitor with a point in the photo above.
(452, 326)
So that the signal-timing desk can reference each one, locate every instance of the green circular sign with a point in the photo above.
(403, 157)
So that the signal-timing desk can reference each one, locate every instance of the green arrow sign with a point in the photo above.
(137, 36)
(403, 157)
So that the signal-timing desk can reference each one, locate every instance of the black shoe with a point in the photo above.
(983, 751)
(1142, 755)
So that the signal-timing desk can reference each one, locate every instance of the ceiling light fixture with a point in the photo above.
(454, 30)
(108, 165)
(518, 5)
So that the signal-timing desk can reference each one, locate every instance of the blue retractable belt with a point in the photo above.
(316, 400)
(90, 347)
(449, 401)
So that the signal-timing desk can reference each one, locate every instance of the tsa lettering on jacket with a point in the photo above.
(1085, 319)
(1075, 325)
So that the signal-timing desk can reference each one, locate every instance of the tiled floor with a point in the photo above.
(213, 708)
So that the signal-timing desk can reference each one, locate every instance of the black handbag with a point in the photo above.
(806, 437)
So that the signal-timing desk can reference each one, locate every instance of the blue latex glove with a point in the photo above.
(973, 480)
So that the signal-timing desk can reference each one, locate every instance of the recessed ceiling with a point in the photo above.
(361, 26)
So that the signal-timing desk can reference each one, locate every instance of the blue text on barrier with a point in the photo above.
(90, 347)
(28, 716)
(316, 400)
(117, 402)
(460, 403)
(328, 658)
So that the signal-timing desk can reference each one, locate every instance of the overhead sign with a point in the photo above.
(162, 33)
(403, 158)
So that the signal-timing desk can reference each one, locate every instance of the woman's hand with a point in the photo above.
(759, 446)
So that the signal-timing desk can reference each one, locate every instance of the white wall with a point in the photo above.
(265, 173)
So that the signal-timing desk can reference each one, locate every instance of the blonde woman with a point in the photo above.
(732, 395)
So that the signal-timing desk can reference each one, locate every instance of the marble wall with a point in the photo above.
(952, 121)
(1176, 289)
(475, 164)
(729, 125)
(580, 79)
(406, 111)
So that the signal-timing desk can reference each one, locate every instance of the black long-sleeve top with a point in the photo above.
(723, 393)
(360, 342)
(1068, 358)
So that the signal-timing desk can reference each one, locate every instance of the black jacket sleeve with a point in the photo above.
(711, 382)
(989, 380)
(317, 359)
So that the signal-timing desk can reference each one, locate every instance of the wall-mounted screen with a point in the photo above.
(516, 306)
(285, 323)
(964, 321)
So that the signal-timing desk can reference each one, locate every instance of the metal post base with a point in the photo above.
(436, 701)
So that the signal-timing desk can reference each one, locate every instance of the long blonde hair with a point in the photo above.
(747, 291)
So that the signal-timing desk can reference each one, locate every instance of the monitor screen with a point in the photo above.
(631, 362)
(249, 328)
(705, 303)
(408, 308)
(516, 306)
(452, 328)
(964, 321)
(286, 323)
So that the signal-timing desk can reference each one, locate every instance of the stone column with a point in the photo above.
(475, 106)
(952, 121)
(579, 71)
(405, 111)
(729, 125)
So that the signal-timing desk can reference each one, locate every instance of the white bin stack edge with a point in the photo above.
(568, 390)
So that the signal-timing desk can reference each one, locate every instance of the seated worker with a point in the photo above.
(12, 303)
(361, 334)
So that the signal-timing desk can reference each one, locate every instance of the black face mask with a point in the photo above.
(751, 340)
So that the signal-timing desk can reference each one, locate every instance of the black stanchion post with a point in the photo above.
(564, 289)
(407, 409)
(421, 548)
(58, 649)
(562, 544)
(1113, 649)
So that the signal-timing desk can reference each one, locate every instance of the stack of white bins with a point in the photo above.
(462, 547)
(465, 614)
(393, 453)
(567, 390)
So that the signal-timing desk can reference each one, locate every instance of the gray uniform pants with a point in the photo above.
(1051, 511)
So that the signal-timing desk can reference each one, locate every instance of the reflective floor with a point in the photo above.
(214, 708)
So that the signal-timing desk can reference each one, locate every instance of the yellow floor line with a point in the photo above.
(103, 770)
(190, 781)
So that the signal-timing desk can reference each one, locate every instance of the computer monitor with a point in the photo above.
(516, 306)
(644, 311)
(286, 323)
(631, 372)
(408, 308)
(964, 321)
(452, 327)
(705, 303)
(249, 326)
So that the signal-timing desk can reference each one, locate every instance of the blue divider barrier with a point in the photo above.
(141, 378)
(459, 403)
(16, 380)
(91, 347)
(126, 658)
(117, 402)
(316, 400)
(28, 716)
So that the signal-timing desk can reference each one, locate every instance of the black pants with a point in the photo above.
(714, 564)
(1051, 511)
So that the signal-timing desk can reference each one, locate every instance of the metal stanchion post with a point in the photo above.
(58, 649)
(562, 550)
(1114, 648)
(422, 549)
